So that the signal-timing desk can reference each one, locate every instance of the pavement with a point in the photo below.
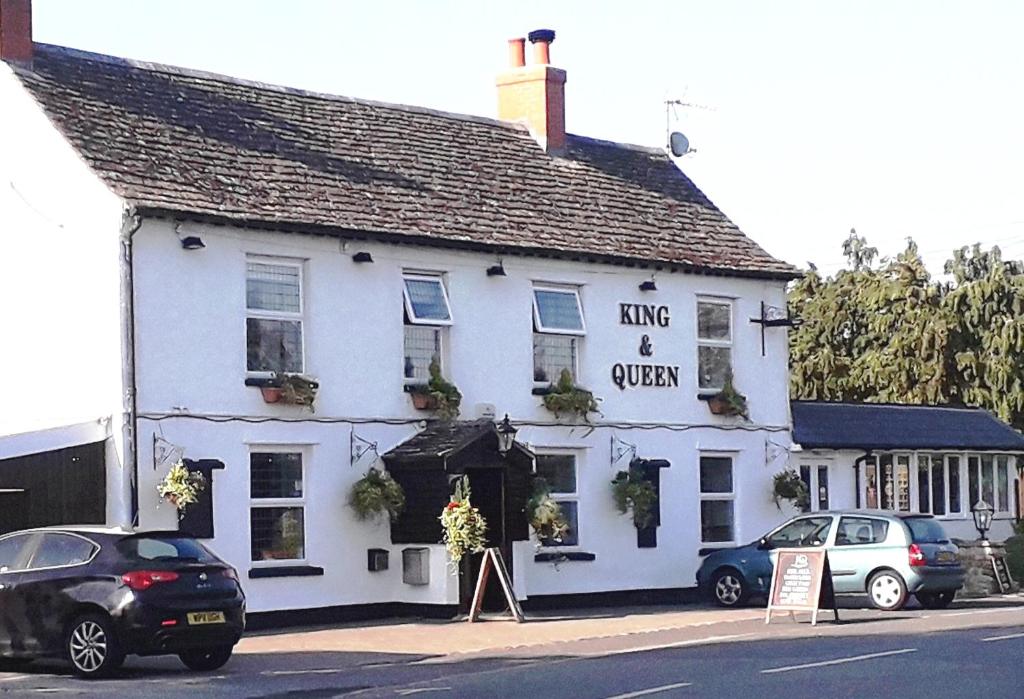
(972, 649)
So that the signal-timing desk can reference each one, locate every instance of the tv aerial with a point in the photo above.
(677, 142)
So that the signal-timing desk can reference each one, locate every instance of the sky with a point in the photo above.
(897, 118)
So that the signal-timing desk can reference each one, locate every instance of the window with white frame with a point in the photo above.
(558, 329)
(427, 313)
(277, 505)
(273, 323)
(559, 473)
(714, 343)
(815, 478)
(989, 479)
(938, 484)
(717, 496)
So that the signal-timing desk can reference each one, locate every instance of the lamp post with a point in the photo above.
(506, 435)
(982, 513)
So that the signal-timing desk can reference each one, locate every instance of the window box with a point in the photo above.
(422, 399)
(291, 389)
(440, 394)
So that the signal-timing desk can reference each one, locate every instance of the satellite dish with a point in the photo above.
(679, 144)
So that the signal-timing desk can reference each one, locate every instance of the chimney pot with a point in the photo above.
(541, 40)
(16, 31)
(517, 52)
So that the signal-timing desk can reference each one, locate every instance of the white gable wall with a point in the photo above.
(61, 346)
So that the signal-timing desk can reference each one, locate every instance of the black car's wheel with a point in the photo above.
(206, 658)
(92, 646)
(728, 589)
(887, 590)
(935, 600)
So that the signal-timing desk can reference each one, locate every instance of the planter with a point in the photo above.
(424, 401)
(720, 406)
(271, 394)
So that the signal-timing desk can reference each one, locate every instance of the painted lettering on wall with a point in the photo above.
(626, 375)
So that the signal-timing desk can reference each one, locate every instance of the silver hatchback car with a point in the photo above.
(887, 555)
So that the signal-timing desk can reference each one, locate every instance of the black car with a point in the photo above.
(95, 595)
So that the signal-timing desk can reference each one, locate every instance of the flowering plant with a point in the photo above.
(181, 487)
(545, 514)
(465, 530)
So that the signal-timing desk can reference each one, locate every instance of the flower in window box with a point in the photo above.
(567, 397)
(728, 401)
(438, 394)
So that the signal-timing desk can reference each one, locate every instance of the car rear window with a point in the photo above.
(925, 530)
(144, 548)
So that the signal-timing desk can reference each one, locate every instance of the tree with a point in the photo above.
(887, 332)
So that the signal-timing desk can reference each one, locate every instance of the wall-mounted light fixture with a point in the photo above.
(192, 242)
(648, 285)
(506, 435)
(497, 270)
(362, 257)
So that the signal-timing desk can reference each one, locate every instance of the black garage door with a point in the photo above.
(65, 486)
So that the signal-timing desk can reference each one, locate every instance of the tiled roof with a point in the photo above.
(439, 439)
(884, 426)
(179, 142)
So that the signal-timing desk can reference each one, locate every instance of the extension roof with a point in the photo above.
(877, 426)
(181, 143)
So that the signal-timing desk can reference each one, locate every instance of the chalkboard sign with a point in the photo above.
(493, 559)
(801, 582)
(1003, 578)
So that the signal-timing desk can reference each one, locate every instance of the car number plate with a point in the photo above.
(946, 557)
(206, 617)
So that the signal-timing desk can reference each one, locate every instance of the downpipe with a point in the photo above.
(130, 224)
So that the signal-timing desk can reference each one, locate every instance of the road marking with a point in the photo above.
(663, 646)
(325, 671)
(839, 661)
(12, 678)
(1004, 638)
(652, 690)
(418, 690)
(984, 611)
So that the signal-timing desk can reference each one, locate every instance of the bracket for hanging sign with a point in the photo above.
(773, 317)
(359, 446)
(493, 559)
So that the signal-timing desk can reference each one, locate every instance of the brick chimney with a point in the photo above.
(16, 31)
(534, 94)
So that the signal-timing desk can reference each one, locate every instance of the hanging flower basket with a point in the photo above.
(465, 530)
(788, 485)
(633, 492)
(181, 487)
(545, 515)
(376, 493)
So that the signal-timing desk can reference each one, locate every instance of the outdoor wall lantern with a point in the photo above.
(648, 285)
(497, 270)
(982, 513)
(362, 257)
(192, 242)
(506, 436)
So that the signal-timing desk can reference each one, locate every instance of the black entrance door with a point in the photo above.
(487, 493)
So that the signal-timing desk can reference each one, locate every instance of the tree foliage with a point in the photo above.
(883, 330)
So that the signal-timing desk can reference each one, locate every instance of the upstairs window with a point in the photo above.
(273, 323)
(558, 328)
(714, 344)
(427, 313)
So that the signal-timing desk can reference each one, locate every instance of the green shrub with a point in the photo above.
(567, 397)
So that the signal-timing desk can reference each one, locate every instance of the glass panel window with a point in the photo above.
(953, 473)
(822, 487)
(714, 344)
(422, 346)
(426, 300)
(871, 486)
(861, 530)
(277, 508)
(717, 523)
(559, 473)
(10, 552)
(807, 531)
(61, 550)
(273, 325)
(924, 490)
(552, 354)
(558, 311)
(715, 474)
(903, 483)
(938, 486)
(1003, 483)
(988, 482)
(278, 533)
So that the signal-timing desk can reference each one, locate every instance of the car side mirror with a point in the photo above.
(763, 543)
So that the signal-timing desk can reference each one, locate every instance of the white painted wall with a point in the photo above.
(191, 353)
(61, 347)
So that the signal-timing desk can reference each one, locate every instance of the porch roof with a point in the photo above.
(443, 439)
(878, 426)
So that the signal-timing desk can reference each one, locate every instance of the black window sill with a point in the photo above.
(265, 382)
(557, 557)
(541, 391)
(285, 571)
(706, 396)
(416, 388)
